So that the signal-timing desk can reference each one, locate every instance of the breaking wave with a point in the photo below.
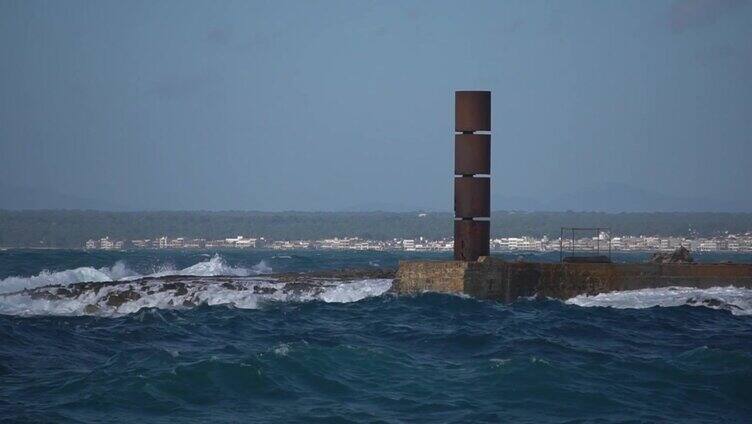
(215, 266)
(116, 272)
(736, 300)
(122, 298)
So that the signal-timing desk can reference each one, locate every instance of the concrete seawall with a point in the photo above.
(491, 278)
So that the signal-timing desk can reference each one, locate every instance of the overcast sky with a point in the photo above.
(326, 105)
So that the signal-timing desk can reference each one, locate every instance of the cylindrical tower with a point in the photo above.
(472, 174)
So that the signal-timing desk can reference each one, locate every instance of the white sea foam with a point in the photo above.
(134, 296)
(215, 266)
(282, 349)
(734, 299)
(70, 276)
(355, 291)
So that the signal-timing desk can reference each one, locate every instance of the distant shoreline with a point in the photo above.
(72, 228)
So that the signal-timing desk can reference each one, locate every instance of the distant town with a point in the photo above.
(732, 242)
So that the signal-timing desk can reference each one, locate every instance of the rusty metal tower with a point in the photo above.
(472, 174)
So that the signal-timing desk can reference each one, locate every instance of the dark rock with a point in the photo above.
(713, 302)
(91, 309)
(264, 290)
(64, 292)
(43, 294)
(230, 286)
(678, 256)
(118, 298)
(179, 288)
(297, 287)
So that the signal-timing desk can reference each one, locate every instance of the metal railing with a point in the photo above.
(596, 248)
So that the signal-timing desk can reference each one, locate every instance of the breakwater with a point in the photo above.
(496, 279)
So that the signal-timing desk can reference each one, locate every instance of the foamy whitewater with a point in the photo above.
(79, 275)
(120, 272)
(734, 299)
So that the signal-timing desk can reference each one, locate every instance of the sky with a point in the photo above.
(348, 105)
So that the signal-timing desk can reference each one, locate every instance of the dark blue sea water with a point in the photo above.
(367, 358)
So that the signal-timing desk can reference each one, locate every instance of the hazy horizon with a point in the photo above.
(348, 106)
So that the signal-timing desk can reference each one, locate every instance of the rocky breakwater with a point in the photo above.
(121, 297)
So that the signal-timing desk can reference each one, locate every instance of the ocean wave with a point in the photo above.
(736, 300)
(70, 276)
(215, 266)
(128, 297)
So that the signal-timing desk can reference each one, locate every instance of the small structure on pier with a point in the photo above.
(592, 253)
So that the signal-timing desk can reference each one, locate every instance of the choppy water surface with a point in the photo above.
(352, 352)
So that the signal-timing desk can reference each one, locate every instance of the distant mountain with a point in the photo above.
(498, 202)
(615, 198)
(618, 197)
(18, 198)
(382, 207)
(605, 197)
(515, 203)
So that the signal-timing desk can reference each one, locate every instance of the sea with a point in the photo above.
(353, 351)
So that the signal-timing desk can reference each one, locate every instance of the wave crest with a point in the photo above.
(215, 266)
(70, 276)
(736, 300)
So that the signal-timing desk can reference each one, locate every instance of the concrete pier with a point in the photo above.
(495, 279)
